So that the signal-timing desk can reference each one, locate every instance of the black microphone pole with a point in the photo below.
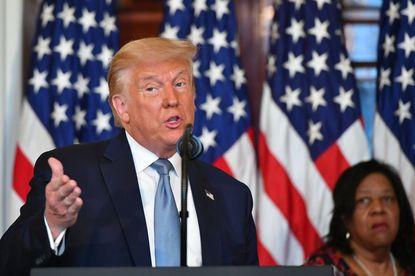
(185, 153)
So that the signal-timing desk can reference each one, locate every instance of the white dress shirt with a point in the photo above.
(147, 182)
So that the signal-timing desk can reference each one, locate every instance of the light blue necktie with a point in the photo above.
(166, 219)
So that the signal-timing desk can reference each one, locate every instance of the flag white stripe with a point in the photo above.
(387, 149)
(275, 234)
(353, 144)
(15, 202)
(245, 171)
(34, 139)
(297, 163)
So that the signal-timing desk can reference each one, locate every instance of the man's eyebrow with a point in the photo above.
(180, 73)
(150, 77)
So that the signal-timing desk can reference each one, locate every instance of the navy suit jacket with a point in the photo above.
(111, 228)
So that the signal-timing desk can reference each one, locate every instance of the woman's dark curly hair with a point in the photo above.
(403, 247)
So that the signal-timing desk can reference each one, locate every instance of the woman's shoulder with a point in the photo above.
(328, 255)
(324, 256)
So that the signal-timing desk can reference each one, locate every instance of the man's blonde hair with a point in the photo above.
(144, 51)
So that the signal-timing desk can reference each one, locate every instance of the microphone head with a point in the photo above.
(195, 147)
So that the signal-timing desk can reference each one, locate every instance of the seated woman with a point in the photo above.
(372, 228)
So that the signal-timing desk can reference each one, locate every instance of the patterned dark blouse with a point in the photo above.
(331, 256)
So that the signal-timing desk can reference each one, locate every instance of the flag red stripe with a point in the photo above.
(22, 173)
(251, 135)
(285, 196)
(264, 256)
(328, 169)
(223, 165)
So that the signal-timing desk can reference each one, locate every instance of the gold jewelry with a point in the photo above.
(366, 269)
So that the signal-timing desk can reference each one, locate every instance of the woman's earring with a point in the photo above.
(347, 235)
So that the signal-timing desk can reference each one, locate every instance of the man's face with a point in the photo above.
(159, 103)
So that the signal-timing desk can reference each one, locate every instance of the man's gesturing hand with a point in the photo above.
(63, 200)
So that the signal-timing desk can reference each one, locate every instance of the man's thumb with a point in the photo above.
(56, 167)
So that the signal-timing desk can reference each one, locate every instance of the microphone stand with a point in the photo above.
(184, 213)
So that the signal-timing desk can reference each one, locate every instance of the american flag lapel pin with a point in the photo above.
(209, 195)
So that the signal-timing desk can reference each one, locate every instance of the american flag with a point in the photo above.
(310, 129)
(67, 90)
(222, 120)
(394, 129)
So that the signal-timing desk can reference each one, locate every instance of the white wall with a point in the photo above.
(11, 37)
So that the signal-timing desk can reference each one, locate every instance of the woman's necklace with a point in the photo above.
(367, 271)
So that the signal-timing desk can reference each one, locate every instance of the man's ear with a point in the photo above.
(120, 105)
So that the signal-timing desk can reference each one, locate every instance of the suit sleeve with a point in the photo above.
(25, 244)
(251, 238)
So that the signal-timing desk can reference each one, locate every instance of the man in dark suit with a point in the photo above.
(94, 204)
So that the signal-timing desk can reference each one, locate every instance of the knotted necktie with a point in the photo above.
(166, 219)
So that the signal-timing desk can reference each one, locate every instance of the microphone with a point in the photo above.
(195, 146)
(189, 147)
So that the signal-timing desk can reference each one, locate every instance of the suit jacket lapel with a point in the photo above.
(120, 177)
(207, 210)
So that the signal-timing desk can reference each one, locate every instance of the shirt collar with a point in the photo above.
(143, 158)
